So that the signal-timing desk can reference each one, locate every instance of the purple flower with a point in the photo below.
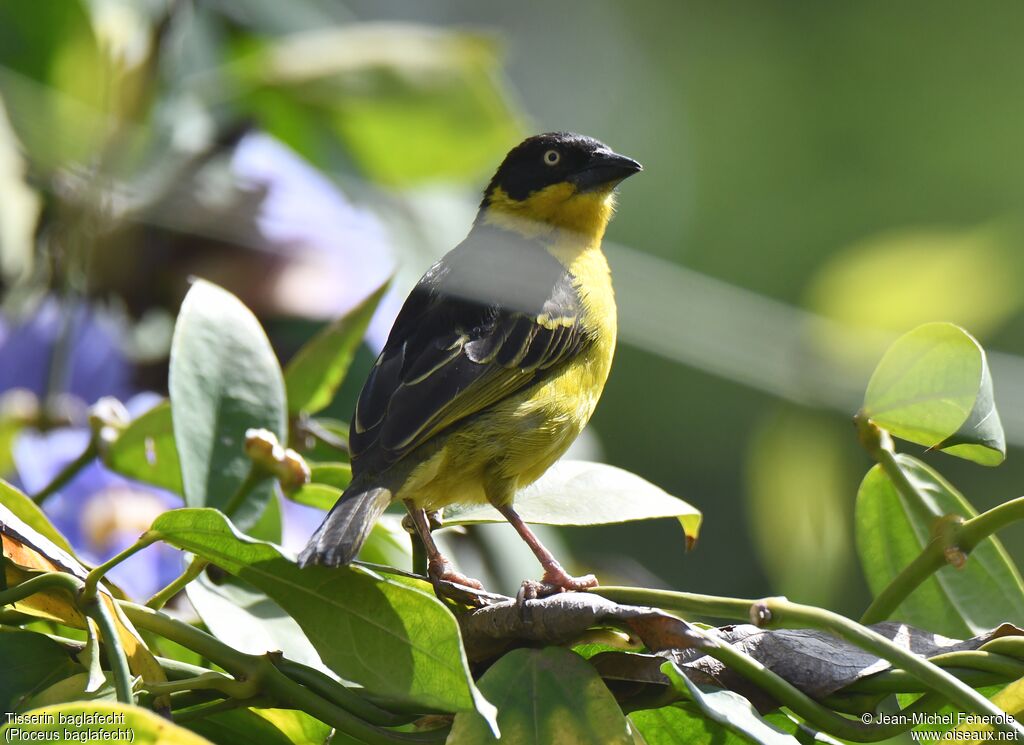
(96, 366)
(98, 511)
(337, 253)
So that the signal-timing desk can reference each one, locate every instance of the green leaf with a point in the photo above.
(320, 496)
(261, 727)
(411, 103)
(318, 369)
(672, 725)
(54, 80)
(388, 544)
(545, 696)
(29, 512)
(31, 663)
(728, 709)
(122, 723)
(584, 493)
(890, 533)
(253, 622)
(1010, 699)
(224, 379)
(145, 450)
(933, 387)
(397, 641)
(74, 688)
(338, 475)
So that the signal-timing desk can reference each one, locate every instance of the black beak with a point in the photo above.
(605, 167)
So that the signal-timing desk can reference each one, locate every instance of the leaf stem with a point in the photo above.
(965, 536)
(92, 580)
(273, 682)
(712, 606)
(779, 612)
(976, 667)
(803, 705)
(256, 475)
(194, 569)
(878, 444)
(97, 610)
(40, 583)
(67, 473)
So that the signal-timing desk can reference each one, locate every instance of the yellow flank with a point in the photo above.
(511, 444)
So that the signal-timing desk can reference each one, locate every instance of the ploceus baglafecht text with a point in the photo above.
(496, 360)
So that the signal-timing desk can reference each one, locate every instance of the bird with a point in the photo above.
(495, 362)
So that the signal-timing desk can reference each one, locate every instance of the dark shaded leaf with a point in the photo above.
(545, 696)
(31, 663)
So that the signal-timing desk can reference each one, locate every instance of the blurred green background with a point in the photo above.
(818, 179)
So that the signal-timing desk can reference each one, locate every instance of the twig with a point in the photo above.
(965, 536)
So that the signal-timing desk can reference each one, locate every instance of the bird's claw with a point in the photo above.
(555, 580)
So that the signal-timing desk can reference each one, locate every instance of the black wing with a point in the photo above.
(491, 317)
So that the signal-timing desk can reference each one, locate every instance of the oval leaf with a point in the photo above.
(891, 533)
(116, 722)
(318, 369)
(393, 639)
(224, 379)
(728, 709)
(933, 387)
(545, 696)
(575, 492)
(145, 450)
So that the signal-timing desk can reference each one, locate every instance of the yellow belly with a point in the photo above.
(509, 446)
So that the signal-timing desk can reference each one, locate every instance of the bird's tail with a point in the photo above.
(347, 526)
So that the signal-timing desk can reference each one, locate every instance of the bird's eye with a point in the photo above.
(551, 157)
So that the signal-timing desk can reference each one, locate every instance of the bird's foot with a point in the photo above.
(443, 571)
(555, 580)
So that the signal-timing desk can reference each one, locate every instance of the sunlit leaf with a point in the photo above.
(933, 387)
(318, 369)
(584, 493)
(224, 379)
(111, 721)
(29, 512)
(320, 496)
(54, 80)
(395, 640)
(1010, 699)
(73, 688)
(145, 450)
(545, 696)
(411, 103)
(890, 533)
(728, 709)
(338, 475)
(27, 552)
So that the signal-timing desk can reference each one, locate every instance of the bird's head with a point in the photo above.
(560, 181)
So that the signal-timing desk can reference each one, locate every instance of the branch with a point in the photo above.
(965, 536)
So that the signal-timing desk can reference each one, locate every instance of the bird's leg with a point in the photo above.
(439, 569)
(555, 578)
